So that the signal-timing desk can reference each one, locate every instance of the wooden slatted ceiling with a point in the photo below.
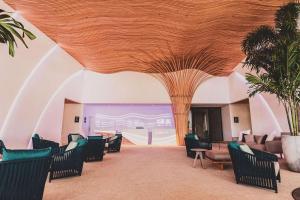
(109, 36)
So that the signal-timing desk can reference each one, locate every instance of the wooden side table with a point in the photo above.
(199, 153)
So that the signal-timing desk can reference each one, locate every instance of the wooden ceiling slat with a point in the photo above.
(107, 36)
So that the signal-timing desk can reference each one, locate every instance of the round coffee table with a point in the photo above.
(296, 194)
(199, 153)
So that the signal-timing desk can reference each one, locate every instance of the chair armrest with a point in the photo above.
(62, 149)
(264, 156)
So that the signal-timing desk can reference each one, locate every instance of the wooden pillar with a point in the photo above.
(181, 106)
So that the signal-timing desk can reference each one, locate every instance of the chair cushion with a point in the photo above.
(95, 137)
(82, 142)
(25, 154)
(234, 145)
(71, 145)
(246, 148)
(75, 137)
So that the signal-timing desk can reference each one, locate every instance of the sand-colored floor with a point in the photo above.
(149, 172)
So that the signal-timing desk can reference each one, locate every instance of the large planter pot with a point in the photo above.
(291, 151)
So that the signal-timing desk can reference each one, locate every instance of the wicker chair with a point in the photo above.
(114, 143)
(74, 137)
(39, 143)
(21, 180)
(191, 142)
(68, 163)
(95, 149)
(257, 170)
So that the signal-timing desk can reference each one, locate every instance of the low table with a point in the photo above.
(199, 153)
(219, 157)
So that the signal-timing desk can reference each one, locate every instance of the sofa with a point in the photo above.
(263, 143)
(193, 141)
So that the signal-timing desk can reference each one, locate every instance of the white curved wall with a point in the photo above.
(36, 81)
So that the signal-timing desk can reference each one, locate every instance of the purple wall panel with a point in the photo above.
(127, 116)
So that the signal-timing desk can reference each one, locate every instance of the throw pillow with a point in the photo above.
(25, 154)
(75, 137)
(249, 138)
(260, 139)
(271, 136)
(72, 145)
(246, 148)
(196, 137)
(242, 133)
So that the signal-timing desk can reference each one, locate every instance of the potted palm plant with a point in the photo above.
(274, 54)
(10, 29)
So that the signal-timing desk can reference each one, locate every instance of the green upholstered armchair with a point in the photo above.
(95, 149)
(40, 143)
(68, 162)
(257, 168)
(24, 176)
(192, 141)
(114, 143)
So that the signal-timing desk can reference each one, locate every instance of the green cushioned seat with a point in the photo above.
(81, 142)
(95, 137)
(192, 136)
(25, 154)
(234, 145)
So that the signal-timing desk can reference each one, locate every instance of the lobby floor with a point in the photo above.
(156, 173)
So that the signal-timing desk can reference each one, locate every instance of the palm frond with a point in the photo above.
(11, 29)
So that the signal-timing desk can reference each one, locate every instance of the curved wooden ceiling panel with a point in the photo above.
(109, 36)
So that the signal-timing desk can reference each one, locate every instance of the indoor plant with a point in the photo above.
(274, 53)
(10, 29)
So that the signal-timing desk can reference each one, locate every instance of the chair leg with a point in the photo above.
(221, 166)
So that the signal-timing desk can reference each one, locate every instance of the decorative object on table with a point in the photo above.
(40, 143)
(296, 194)
(254, 167)
(20, 178)
(114, 143)
(193, 141)
(274, 54)
(69, 161)
(74, 137)
(200, 153)
(95, 148)
(10, 29)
